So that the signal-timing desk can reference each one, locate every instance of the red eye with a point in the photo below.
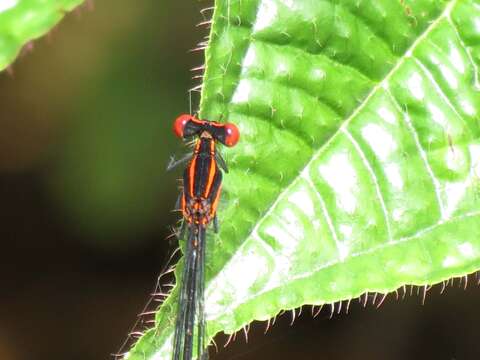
(179, 124)
(231, 134)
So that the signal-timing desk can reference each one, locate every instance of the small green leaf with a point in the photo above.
(24, 20)
(359, 163)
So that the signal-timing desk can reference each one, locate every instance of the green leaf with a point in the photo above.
(359, 163)
(24, 20)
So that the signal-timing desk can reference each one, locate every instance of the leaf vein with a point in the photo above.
(476, 71)
(422, 153)
(437, 87)
(325, 212)
(375, 181)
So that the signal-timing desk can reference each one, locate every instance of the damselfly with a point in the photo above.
(202, 182)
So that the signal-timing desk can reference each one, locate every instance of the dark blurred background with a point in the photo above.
(85, 121)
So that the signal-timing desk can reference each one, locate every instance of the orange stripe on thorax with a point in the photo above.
(212, 171)
(191, 170)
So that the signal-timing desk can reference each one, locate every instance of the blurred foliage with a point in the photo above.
(99, 127)
(112, 172)
(24, 20)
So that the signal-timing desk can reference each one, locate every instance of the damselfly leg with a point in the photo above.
(174, 163)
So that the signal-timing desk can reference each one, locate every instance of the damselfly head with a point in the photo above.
(187, 126)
